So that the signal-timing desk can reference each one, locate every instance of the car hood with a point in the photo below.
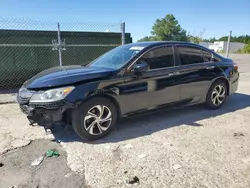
(65, 75)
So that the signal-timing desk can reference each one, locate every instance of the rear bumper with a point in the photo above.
(234, 85)
(233, 88)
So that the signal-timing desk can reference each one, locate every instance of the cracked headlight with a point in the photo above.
(51, 95)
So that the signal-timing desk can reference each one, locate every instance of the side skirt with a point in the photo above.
(175, 105)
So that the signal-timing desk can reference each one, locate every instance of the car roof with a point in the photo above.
(156, 43)
(150, 44)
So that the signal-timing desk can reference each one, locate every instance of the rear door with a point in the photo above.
(196, 72)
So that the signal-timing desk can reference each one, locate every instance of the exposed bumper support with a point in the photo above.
(45, 115)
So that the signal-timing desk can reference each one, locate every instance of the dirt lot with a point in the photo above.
(191, 147)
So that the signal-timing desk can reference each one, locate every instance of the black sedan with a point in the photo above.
(129, 79)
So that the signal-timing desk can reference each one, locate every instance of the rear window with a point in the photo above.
(190, 55)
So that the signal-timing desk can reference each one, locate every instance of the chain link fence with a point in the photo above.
(27, 47)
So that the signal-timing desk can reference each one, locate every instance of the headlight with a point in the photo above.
(51, 95)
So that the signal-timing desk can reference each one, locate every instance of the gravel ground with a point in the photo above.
(190, 147)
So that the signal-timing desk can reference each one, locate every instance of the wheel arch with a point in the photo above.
(225, 80)
(111, 97)
(80, 111)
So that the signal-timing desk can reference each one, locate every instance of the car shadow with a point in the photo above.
(142, 125)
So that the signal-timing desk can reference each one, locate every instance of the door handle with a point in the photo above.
(173, 73)
(176, 73)
(210, 67)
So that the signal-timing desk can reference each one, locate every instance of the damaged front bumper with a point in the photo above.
(47, 114)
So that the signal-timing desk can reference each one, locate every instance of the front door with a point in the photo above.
(153, 87)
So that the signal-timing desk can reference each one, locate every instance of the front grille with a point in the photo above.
(40, 111)
(49, 106)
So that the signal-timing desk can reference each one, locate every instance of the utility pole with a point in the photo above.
(123, 32)
(228, 43)
(59, 44)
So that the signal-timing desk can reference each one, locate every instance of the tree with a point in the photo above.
(147, 38)
(225, 38)
(243, 38)
(167, 29)
(194, 39)
(209, 40)
(245, 50)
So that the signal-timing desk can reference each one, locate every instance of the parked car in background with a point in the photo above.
(129, 79)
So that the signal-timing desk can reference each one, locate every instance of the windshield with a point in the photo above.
(116, 58)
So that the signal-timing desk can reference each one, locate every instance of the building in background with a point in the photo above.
(221, 46)
(208, 45)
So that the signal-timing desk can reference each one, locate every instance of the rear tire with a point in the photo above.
(94, 118)
(216, 95)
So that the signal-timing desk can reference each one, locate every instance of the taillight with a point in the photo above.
(235, 67)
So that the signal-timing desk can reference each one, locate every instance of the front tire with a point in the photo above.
(94, 118)
(216, 95)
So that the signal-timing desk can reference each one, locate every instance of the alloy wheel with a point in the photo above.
(218, 95)
(97, 120)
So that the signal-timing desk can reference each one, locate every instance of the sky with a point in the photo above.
(215, 17)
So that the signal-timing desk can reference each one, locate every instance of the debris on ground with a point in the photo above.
(50, 137)
(1, 164)
(238, 134)
(128, 146)
(116, 148)
(142, 156)
(117, 153)
(133, 180)
(52, 152)
(37, 161)
(17, 171)
(176, 166)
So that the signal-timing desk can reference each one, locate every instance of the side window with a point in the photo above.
(216, 59)
(190, 55)
(159, 58)
(207, 56)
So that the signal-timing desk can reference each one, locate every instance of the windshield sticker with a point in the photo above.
(136, 48)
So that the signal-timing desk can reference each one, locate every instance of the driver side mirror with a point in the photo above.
(140, 67)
